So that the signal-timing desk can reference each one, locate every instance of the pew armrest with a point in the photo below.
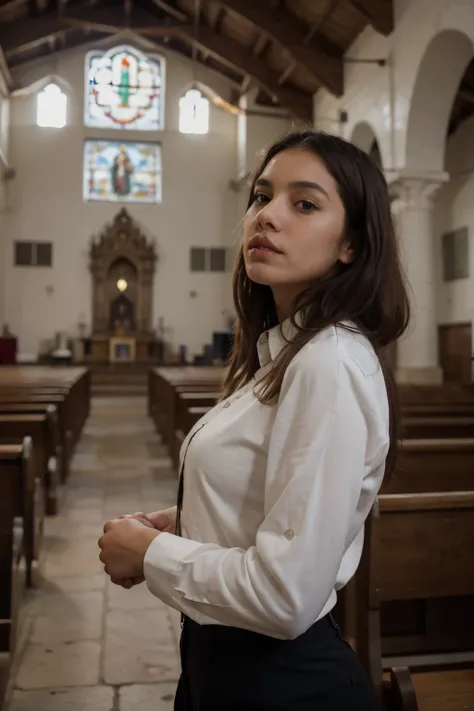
(399, 692)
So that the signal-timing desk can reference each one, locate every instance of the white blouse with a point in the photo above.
(275, 496)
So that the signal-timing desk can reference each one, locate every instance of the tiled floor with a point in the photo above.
(85, 643)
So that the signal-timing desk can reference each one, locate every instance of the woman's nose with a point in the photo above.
(270, 216)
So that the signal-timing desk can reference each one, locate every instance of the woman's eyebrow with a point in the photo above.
(309, 184)
(265, 183)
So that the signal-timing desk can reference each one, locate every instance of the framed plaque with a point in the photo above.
(122, 350)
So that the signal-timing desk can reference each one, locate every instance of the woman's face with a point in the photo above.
(293, 229)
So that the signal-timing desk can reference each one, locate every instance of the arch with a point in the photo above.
(364, 137)
(214, 98)
(437, 81)
(40, 84)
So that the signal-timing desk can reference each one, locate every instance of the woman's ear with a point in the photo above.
(347, 253)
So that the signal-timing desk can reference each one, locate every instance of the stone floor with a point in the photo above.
(85, 643)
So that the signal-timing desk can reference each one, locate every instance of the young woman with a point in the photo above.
(278, 479)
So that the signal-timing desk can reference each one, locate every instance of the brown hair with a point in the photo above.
(370, 292)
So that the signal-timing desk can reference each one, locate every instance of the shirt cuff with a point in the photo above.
(162, 565)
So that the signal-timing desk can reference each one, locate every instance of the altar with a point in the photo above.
(122, 264)
(123, 349)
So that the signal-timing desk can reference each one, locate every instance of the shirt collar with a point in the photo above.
(272, 342)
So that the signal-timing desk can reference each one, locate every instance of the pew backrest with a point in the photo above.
(417, 546)
(430, 465)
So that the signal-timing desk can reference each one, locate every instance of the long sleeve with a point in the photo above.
(318, 491)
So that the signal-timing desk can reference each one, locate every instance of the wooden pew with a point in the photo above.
(447, 400)
(438, 427)
(55, 433)
(453, 393)
(433, 465)
(16, 522)
(165, 383)
(438, 410)
(184, 425)
(73, 383)
(424, 466)
(71, 397)
(30, 402)
(186, 402)
(37, 426)
(417, 546)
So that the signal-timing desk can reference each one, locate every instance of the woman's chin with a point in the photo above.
(260, 274)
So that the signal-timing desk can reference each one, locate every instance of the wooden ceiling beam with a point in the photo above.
(219, 20)
(378, 13)
(322, 59)
(231, 53)
(261, 46)
(29, 33)
(34, 7)
(171, 10)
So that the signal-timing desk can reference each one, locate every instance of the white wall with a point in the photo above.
(198, 209)
(406, 106)
(4, 151)
(454, 209)
(408, 101)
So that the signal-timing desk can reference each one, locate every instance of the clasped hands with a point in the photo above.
(126, 540)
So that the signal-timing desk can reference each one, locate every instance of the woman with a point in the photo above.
(280, 476)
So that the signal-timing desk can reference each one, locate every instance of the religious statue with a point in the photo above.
(121, 316)
(122, 170)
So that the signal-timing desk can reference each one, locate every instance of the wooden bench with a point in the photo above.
(437, 394)
(185, 424)
(433, 465)
(417, 547)
(438, 410)
(165, 383)
(438, 427)
(38, 426)
(56, 435)
(16, 522)
(73, 383)
(187, 401)
(413, 626)
(30, 402)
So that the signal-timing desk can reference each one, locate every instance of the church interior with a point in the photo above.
(129, 132)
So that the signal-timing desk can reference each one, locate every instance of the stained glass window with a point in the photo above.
(122, 172)
(51, 107)
(124, 89)
(193, 112)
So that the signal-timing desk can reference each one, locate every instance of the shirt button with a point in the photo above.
(289, 534)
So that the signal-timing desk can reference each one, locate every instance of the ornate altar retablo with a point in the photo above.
(122, 263)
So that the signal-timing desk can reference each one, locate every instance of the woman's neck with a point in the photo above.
(285, 298)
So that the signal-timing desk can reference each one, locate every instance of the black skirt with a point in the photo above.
(230, 669)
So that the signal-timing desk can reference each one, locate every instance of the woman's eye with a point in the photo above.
(260, 198)
(307, 205)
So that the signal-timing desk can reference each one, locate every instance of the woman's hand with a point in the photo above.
(163, 520)
(123, 547)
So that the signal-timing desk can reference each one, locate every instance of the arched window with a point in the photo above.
(51, 108)
(193, 112)
(124, 89)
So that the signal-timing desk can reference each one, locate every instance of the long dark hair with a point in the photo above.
(370, 292)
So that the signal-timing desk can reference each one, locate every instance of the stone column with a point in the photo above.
(418, 357)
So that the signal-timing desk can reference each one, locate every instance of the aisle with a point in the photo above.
(85, 643)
